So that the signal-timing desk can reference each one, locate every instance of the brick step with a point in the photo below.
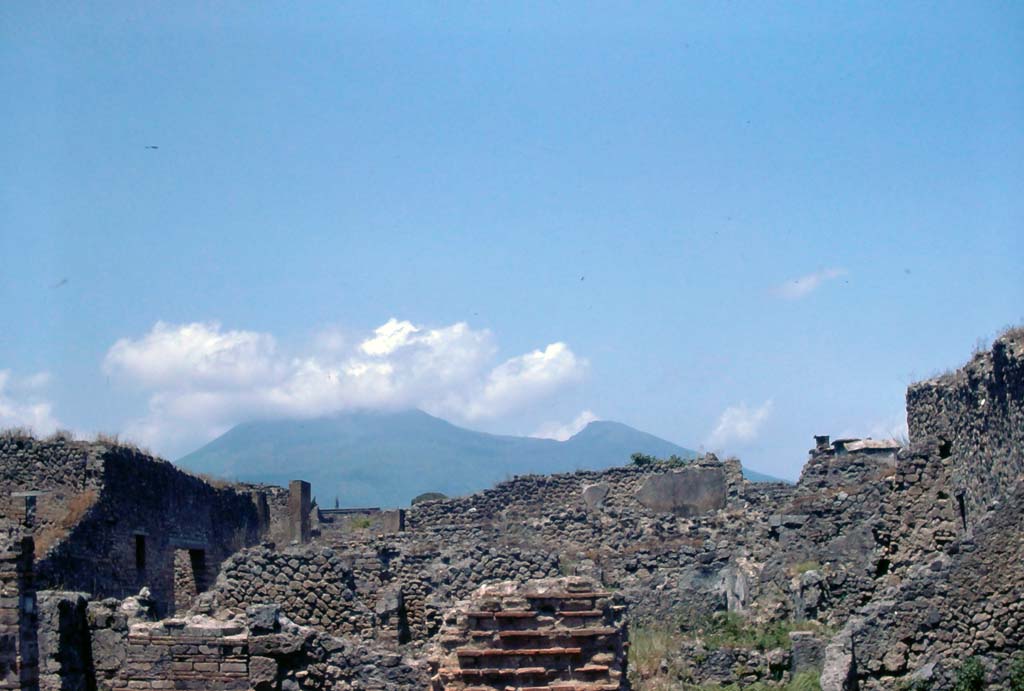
(557, 686)
(465, 674)
(564, 596)
(456, 673)
(543, 633)
(573, 686)
(504, 614)
(528, 652)
(555, 633)
(582, 613)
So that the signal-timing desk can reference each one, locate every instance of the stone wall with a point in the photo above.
(391, 588)
(61, 478)
(538, 494)
(977, 416)
(110, 520)
(65, 651)
(272, 511)
(966, 600)
(260, 650)
(951, 529)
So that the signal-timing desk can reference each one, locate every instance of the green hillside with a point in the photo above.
(386, 459)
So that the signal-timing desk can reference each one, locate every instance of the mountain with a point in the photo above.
(386, 459)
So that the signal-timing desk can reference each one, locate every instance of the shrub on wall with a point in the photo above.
(1016, 680)
(971, 676)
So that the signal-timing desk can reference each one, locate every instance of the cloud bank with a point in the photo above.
(739, 424)
(22, 404)
(561, 432)
(803, 286)
(201, 379)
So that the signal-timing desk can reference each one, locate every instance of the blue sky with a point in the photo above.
(731, 225)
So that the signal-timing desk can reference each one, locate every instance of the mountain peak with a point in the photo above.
(385, 458)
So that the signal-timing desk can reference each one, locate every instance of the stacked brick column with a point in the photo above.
(561, 634)
(18, 644)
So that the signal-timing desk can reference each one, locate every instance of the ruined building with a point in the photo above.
(883, 565)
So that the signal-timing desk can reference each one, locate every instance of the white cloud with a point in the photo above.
(561, 432)
(739, 424)
(21, 404)
(199, 353)
(202, 379)
(389, 337)
(805, 285)
(518, 380)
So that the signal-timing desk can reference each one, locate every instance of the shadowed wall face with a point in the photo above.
(108, 520)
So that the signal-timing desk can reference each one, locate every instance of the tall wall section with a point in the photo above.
(54, 481)
(109, 520)
(952, 534)
(976, 414)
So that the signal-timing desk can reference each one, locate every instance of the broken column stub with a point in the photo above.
(689, 491)
(298, 511)
(594, 495)
(393, 521)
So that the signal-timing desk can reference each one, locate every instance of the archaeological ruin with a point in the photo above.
(885, 566)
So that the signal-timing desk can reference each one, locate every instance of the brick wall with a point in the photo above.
(175, 655)
(18, 616)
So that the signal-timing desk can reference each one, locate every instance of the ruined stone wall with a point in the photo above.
(531, 527)
(951, 527)
(527, 495)
(65, 653)
(116, 521)
(827, 540)
(389, 587)
(977, 415)
(920, 515)
(272, 511)
(259, 649)
(967, 600)
(313, 587)
(65, 478)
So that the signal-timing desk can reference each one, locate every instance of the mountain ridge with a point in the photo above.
(373, 458)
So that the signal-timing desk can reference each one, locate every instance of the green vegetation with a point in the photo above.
(731, 630)
(567, 565)
(1016, 679)
(648, 646)
(654, 649)
(805, 681)
(427, 496)
(971, 676)
(361, 523)
(642, 459)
